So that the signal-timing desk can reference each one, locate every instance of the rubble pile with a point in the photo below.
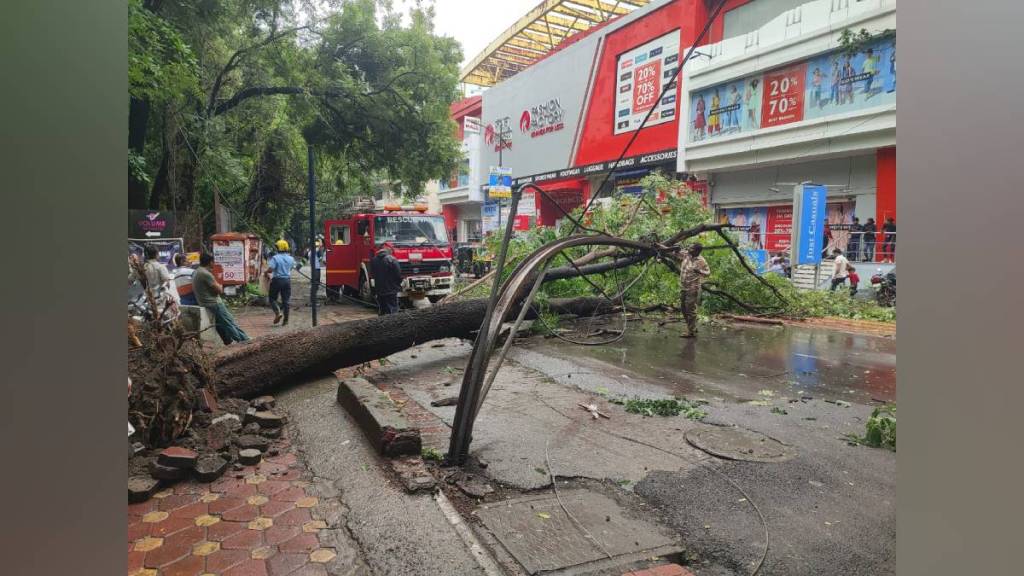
(232, 432)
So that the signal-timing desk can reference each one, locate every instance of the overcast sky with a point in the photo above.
(474, 23)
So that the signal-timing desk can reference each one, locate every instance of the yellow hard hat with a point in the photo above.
(282, 245)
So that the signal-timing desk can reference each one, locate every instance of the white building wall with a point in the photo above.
(794, 35)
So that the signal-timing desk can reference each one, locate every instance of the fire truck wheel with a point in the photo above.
(333, 295)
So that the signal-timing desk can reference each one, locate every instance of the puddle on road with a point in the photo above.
(739, 362)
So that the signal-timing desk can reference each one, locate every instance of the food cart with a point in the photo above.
(237, 259)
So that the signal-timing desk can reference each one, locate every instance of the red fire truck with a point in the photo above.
(418, 240)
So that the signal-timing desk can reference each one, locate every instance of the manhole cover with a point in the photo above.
(734, 443)
(536, 531)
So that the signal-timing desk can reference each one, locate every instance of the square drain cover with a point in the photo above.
(537, 532)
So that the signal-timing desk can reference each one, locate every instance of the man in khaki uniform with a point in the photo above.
(693, 270)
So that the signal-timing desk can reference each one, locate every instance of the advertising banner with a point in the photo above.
(229, 257)
(780, 228)
(522, 222)
(726, 109)
(783, 96)
(499, 182)
(758, 260)
(749, 224)
(809, 234)
(166, 248)
(832, 83)
(838, 83)
(489, 216)
(642, 75)
(527, 204)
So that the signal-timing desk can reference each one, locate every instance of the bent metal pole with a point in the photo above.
(465, 411)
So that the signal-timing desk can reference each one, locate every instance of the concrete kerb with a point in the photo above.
(379, 418)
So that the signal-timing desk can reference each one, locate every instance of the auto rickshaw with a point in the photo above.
(472, 259)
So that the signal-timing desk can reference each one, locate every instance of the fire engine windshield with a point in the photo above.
(410, 230)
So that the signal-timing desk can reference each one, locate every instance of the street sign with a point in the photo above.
(150, 224)
(809, 232)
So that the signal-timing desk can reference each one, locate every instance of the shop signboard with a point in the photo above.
(831, 83)
(809, 233)
(150, 224)
(642, 74)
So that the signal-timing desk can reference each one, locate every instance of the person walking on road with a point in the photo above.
(840, 269)
(387, 281)
(693, 270)
(208, 291)
(279, 268)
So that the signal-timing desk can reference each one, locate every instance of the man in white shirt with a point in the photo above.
(839, 269)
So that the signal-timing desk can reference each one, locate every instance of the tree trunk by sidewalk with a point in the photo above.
(258, 367)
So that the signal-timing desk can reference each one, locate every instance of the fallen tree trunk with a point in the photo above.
(267, 363)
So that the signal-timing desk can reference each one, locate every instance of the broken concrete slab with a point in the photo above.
(474, 486)
(379, 418)
(209, 468)
(413, 474)
(231, 421)
(178, 457)
(252, 441)
(250, 456)
(272, 433)
(161, 472)
(263, 403)
(141, 488)
(267, 419)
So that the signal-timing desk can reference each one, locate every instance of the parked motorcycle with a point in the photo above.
(885, 287)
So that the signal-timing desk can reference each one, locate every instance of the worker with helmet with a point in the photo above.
(280, 271)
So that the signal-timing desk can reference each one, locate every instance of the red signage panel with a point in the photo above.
(783, 100)
(779, 229)
(646, 86)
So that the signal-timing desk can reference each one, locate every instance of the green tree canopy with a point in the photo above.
(225, 95)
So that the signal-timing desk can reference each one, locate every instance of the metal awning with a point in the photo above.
(538, 33)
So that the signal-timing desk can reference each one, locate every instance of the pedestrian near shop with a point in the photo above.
(889, 240)
(839, 269)
(827, 242)
(387, 281)
(869, 232)
(854, 279)
(279, 269)
(853, 245)
(208, 291)
(693, 270)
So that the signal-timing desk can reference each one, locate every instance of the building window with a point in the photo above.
(474, 230)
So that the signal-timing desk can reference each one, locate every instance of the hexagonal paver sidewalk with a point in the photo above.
(256, 521)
